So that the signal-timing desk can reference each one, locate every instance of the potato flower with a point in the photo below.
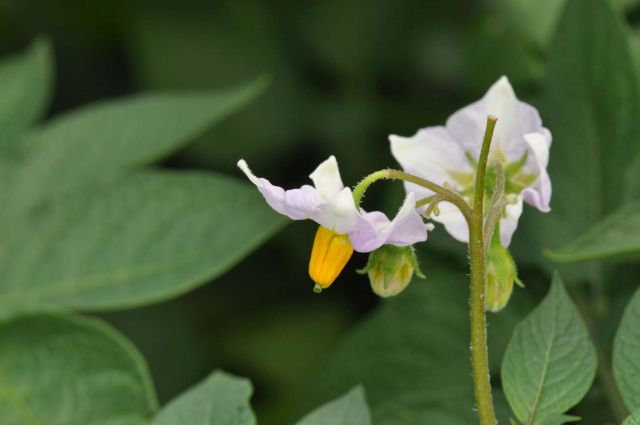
(447, 155)
(344, 227)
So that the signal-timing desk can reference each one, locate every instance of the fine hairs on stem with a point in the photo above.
(477, 313)
(479, 237)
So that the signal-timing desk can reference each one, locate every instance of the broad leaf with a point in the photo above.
(634, 419)
(350, 409)
(626, 354)
(144, 238)
(25, 84)
(538, 18)
(68, 370)
(550, 362)
(617, 236)
(412, 355)
(220, 399)
(591, 105)
(558, 420)
(97, 143)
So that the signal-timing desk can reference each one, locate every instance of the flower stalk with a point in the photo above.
(442, 193)
(480, 230)
(477, 315)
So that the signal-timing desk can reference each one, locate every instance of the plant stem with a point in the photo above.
(477, 259)
(442, 192)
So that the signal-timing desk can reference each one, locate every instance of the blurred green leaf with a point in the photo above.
(350, 409)
(221, 399)
(634, 419)
(147, 237)
(626, 352)
(617, 236)
(539, 18)
(591, 105)
(223, 43)
(412, 355)
(550, 362)
(68, 370)
(558, 420)
(25, 84)
(97, 143)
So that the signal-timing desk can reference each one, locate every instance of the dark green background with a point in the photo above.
(344, 76)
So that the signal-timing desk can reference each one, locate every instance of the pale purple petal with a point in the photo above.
(365, 236)
(297, 204)
(407, 227)
(326, 178)
(374, 229)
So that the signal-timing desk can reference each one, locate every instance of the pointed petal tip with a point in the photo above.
(502, 87)
(242, 164)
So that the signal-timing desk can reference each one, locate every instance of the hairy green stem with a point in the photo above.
(477, 315)
(475, 219)
(441, 192)
(445, 194)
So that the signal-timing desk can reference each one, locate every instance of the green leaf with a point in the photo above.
(615, 237)
(539, 18)
(626, 352)
(558, 420)
(68, 370)
(97, 143)
(412, 354)
(550, 362)
(634, 419)
(147, 237)
(221, 399)
(25, 84)
(591, 105)
(350, 409)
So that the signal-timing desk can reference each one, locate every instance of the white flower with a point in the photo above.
(448, 155)
(331, 205)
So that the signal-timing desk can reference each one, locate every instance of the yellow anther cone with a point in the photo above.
(330, 253)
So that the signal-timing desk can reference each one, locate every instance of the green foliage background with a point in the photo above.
(286, 85)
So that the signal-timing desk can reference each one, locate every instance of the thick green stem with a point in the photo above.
(477, 258)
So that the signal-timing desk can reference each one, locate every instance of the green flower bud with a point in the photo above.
(390, 269)
(501, 274)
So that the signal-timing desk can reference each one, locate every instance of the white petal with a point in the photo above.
(515, 118)
(509, 224)
(540, 143)
(431, 154)
(326, 178)
(539, 195)
(338, 213)
(453, 220)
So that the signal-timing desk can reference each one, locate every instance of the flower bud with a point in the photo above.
(330, 253)
(501, 273)
(390, 269)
